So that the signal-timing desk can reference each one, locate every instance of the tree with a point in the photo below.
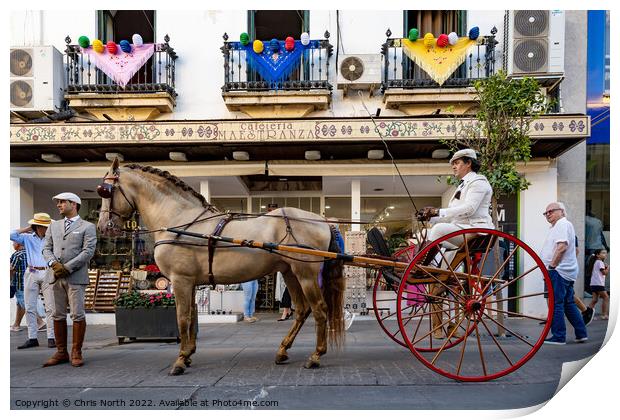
(500, 135)
(507, 107)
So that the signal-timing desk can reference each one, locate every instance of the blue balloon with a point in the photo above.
(125, 46)
(474, 33)
(274, 44)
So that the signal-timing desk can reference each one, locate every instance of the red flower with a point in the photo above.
(168, 295)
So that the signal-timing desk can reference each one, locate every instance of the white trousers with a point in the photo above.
(35, 282)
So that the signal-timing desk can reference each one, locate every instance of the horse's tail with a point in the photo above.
(333, 292)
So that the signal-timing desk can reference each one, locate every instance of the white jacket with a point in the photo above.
(473, 205)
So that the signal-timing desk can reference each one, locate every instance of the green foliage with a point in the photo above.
(135, 299)
(506, 109)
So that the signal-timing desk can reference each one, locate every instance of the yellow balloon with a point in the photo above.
(429, 40)
(258, 46)
(98, 46)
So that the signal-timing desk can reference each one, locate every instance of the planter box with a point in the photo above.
(158, 322)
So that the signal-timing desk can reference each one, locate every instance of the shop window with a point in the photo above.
(235, 205)
(311, 204)
(115, 25)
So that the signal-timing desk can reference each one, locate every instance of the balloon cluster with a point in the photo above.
(274, 45)
(111, 46)
(443, 40)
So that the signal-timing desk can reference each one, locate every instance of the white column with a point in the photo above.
(248, 204)
(356, 203)
(533, 228)
(322, 206)
(204, 190)
(22, 202)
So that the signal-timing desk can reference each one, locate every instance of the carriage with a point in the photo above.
(460, 304)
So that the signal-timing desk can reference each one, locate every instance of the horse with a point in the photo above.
(163, 200)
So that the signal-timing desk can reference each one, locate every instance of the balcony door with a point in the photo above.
(115, 25)
(436, 22)
(279, 24)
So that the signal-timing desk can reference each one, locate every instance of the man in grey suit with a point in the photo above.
(69, 245)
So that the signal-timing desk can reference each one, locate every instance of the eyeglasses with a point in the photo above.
(549, 212)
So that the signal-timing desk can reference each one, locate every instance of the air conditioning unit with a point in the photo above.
(36, 79)
(535, 42)
(359, 71)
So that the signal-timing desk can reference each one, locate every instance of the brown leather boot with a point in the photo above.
(61, 355)
(79, 329)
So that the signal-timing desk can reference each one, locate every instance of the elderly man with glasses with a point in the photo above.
(560, 257)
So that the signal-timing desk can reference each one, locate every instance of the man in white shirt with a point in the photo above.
(558, 254)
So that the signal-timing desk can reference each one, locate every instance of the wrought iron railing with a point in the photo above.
(312, 73)
(156, 75)
(400, 72)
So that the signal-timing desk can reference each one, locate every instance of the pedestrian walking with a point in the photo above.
(596, 272)
(250, 288)
(18, 268)
(558, 254)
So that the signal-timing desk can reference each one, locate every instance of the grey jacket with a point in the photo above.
(74, 249)
(472, 207)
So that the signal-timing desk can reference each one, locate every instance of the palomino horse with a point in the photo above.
(163, 200)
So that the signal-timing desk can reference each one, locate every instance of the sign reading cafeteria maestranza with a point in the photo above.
(223, 131)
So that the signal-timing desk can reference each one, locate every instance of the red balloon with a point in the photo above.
(289, 43)
(442, 41)
(111, 47)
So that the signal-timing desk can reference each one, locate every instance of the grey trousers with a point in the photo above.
(71, 294)
(35, 282)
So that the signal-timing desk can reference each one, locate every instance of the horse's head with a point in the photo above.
(116, 205)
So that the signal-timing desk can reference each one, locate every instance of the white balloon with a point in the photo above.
(137, 40)
(305, 38)
(453, 38)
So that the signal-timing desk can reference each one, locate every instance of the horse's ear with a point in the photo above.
(114, 167)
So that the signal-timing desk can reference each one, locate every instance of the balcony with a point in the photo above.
(150, 92)
(410, 89)
(305, 90)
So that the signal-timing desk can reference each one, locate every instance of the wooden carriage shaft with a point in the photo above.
(359, 261)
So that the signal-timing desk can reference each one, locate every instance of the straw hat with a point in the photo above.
(40, 219)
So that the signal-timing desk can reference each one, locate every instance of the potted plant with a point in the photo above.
(142, 315)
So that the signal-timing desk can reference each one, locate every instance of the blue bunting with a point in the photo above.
(275, 64)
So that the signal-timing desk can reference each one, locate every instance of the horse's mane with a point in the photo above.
(177, 182)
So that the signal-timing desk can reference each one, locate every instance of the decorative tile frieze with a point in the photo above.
(306, 130)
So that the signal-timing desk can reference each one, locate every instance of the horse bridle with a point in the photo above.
(106, 190)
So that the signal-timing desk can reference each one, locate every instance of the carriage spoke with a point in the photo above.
(509, 330)
(394, 313)
(484, 324)
(443, 256)
(517, 314)
(467, 262)
(501, 267)
(484, 367)
(458, 369)
(435, 329)
(432, 296)
(446, 342)
(503, 286)
(484, 260)
(519, 297)
(452, 291)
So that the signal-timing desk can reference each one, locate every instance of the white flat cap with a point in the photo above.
(470, 153)
(67, 196)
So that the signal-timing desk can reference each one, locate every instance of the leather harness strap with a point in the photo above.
(212, 242)
(289, 229)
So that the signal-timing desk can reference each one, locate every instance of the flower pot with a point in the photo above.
(159, 322)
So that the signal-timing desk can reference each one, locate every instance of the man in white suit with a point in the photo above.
(69, 245)
(468, 208)
(470, 204)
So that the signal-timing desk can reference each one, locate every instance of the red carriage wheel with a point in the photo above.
(385, 296)
(483, 309)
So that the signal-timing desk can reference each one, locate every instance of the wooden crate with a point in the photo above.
(104, 288)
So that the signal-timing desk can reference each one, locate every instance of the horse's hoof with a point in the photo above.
(176, 371)
(187, 362)
(281, 358)
(312, 364)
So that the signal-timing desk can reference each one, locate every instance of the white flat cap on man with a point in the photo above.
(470, 153)
(68, 196)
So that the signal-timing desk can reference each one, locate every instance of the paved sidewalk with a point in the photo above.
(234, 368)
